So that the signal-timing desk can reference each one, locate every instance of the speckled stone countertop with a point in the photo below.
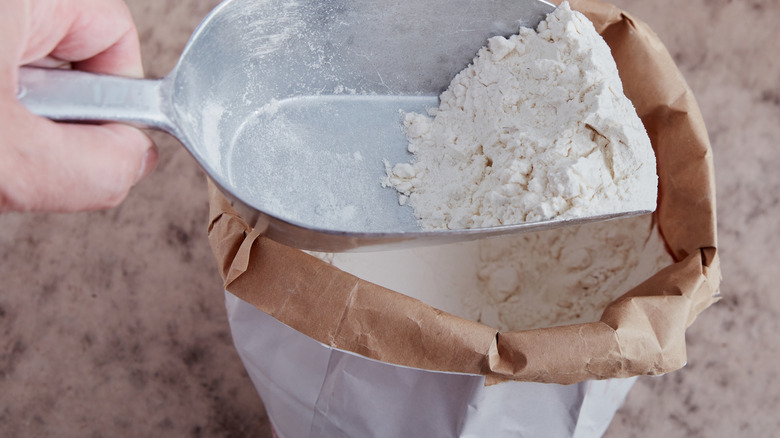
(113, 324)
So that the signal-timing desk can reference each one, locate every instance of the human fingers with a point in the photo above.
(93, 35)
(57, 167)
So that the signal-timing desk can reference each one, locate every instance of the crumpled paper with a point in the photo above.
(311, 390)
(641, 333)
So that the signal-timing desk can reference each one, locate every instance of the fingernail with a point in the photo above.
(148, 163)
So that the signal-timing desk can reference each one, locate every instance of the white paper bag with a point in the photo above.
(312, 390)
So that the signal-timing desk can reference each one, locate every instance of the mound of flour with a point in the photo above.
(522, 282)
(536, 127)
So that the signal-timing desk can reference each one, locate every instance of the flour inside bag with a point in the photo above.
(529, 281)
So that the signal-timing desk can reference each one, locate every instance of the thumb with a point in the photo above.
(62, 167)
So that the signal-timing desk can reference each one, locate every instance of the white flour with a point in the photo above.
(537, 127)
(564, 276)
(522, 282)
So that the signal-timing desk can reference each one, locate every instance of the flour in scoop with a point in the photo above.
(537, 127)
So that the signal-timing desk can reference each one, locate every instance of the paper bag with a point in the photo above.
(312, 390)
(641, 333)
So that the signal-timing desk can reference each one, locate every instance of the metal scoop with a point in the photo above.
(292, 106)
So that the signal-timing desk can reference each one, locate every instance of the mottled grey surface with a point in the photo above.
(113, 324)
(728, 52)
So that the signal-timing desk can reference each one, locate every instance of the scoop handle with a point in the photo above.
(76, 96)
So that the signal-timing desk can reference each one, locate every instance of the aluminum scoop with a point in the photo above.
(292, 106)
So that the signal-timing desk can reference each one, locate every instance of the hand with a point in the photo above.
(48, 166)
